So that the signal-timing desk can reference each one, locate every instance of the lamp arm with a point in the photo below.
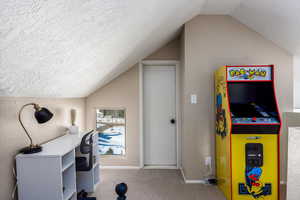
(20, 120)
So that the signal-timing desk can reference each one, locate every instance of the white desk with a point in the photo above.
(51, 174)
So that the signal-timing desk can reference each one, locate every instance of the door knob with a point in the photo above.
(172, 121)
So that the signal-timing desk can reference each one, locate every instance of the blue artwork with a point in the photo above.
(254, 186)
(110, 125)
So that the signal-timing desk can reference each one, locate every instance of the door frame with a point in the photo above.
(174, 63)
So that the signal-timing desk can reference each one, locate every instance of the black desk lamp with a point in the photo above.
(42, 115)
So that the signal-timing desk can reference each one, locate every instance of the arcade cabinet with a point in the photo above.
(247, 132)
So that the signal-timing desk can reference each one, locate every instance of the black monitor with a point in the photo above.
(246, 97)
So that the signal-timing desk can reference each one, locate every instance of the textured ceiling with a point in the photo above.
(276, 20)
(69, 48)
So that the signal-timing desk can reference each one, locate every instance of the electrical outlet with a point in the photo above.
(208, 161)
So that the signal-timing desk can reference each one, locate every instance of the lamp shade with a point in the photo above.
(43, 115)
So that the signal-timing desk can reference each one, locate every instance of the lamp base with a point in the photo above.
(31, 149)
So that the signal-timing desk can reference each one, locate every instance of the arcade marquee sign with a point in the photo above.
(249, 73)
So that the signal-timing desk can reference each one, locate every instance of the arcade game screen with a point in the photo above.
(252, 103)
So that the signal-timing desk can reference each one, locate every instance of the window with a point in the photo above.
(110, 124)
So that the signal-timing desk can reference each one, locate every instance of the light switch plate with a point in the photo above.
(193, 99)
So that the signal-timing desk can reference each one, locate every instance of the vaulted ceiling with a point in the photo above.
(277, 20)
(69, 48)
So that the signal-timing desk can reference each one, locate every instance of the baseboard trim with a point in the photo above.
(187, 181)
(160, 167)
(120, 167)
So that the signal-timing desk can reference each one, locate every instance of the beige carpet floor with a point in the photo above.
(154, 185)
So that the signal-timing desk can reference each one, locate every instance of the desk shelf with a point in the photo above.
(69, 182)
(68, 160)
(69, 194)
(50, 174)
(67, 166)
(47, 177)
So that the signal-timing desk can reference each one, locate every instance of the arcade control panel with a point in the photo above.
(252, 114)
(255, 120)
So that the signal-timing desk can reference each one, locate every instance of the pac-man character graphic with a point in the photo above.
(220, 117)
(255, 187)
(252, 176)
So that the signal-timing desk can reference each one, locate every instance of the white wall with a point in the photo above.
(296, 77)
(211, 42)
(123, 92)
(13, 138)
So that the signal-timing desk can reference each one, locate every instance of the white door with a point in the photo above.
(159, 116)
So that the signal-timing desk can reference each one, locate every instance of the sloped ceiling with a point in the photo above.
(69, 48)
(276, 20)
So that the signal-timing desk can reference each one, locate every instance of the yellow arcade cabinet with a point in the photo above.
(247, 132)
